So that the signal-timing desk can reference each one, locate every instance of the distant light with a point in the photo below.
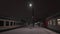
(30, 5)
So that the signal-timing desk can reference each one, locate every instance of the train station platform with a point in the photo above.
(30, 30)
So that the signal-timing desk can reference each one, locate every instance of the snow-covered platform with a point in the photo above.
(29, 30)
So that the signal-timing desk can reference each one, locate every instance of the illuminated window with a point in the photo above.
(54, 22)
(50, 22)
(58, 20)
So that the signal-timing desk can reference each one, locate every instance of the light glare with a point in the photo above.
(30, 5)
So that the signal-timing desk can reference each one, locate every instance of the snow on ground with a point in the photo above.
(29, 30)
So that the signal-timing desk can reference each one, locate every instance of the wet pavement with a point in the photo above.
(29, 30)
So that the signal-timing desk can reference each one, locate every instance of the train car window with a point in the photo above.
(1, 23)
(50, 22)
(11, 23)
(54, 22)
(58, 20)
(7, 23)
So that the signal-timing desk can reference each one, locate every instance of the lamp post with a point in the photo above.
(31, 6)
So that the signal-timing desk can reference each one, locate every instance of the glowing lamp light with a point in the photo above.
(30, 5)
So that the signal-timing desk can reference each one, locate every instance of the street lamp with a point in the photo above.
(31, 6)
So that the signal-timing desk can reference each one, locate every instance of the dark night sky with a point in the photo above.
(18, 8)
